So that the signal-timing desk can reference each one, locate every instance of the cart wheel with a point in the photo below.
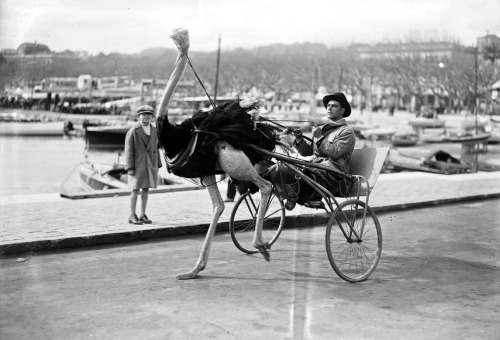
(353, 252)
(243, 218)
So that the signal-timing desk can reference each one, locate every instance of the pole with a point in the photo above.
(475, 84)
(34, 69)
(217, 73)
(340, 78)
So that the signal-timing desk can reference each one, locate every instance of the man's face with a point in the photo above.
(145, 118)
(333, 110)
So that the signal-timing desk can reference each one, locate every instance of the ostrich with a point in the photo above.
(221, 147)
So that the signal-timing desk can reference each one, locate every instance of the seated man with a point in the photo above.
(332, 145)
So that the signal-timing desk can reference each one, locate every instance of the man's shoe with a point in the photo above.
(145, 219)
(290, 204)
(227, 200)
(134, 220)
(315, 204)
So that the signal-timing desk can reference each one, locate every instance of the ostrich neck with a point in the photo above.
(180, 66)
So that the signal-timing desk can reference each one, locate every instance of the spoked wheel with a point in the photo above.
(244, 216)
(353, 247)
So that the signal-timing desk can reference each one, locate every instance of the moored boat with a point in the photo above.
(434, 161)
(99, 176)
(379, 133)
(104, 176)
(405, 139)
(35, 129)
(106, 136)
(426, 123)
(466, 137)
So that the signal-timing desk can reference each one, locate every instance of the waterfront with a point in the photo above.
(38, 165)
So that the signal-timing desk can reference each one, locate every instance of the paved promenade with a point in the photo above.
(46, 222)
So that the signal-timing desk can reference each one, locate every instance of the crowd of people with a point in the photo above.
(58, 104)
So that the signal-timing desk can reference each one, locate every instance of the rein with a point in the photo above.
(199, 80)
(284, 127)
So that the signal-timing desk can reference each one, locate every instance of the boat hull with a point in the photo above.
(35, 129)
(438, 162)
(404, 140)
(106, 137)
(95, 177)
(103, 176)
(426, 123)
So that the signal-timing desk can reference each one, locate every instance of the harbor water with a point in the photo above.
(42, 165)
(39, 165)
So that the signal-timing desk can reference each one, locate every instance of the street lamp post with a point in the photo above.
(441, 82)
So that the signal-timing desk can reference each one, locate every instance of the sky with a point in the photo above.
(126, 26)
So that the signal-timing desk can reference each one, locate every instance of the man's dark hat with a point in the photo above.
(339, 97)
(145, 109)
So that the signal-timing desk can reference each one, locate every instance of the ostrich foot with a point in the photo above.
(263, 250)
(187, 276)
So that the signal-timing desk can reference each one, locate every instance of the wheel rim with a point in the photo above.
(244, 216)
(354, 253)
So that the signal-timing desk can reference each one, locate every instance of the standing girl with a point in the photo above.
(142, 160)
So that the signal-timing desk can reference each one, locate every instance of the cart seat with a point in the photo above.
(368, 164)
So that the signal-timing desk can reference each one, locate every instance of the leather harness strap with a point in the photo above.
(185, 154)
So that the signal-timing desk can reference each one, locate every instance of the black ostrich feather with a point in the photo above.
(228, 122)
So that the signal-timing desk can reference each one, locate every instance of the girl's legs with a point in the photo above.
(144, 200)
(133, 201)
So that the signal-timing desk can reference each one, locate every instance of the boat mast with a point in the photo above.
(217, 73)
(475, 84)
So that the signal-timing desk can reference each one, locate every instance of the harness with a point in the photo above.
(185, 154)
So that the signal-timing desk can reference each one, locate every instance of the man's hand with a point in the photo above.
(298, 135)
(131, 172)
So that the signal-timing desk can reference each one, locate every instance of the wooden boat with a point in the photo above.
(436, 161)
(106, 137)
(99, 176)
(466, 137)
(432, 136)
(495, 137)
(35, 129)
(379, 133)
(104, 176)
(405, 139)
(359, 127)
(426, 123)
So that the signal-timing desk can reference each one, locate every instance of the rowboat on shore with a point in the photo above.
(105, 176)
(434, 161)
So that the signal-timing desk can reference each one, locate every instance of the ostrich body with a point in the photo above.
(222, 147)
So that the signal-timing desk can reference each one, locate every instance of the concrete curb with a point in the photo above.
(122, 192)
(292, 221)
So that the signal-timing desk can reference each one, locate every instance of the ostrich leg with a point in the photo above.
(237, 165)
(218, 206)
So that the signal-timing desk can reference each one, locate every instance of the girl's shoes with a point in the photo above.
(145, 219)
(133, 219)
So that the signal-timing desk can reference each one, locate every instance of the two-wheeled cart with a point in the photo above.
(353, 235)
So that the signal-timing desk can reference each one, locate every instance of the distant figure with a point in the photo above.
(231, 190)
(68, 126)
(142, 160)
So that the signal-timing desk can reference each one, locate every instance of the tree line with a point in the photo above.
(285, 69)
